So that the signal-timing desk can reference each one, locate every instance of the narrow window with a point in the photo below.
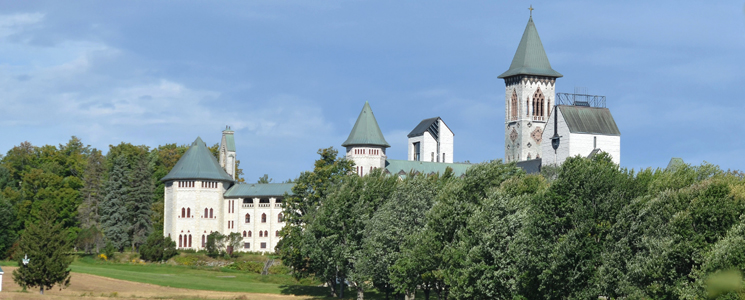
(538, 102)
(432, 159)
(261, 233)
(190, 241)
(204, 242)
(594, 142)
(276, 233)
(279, 218)
(210, 213)
(249, 233)
(188, 212)
(513, 106)
(244, 233)
(416, 152)
(443, 157)
(180, 239)
(266, 233)
(205, 213)
(183, 212)
(263, 218)
(248, 218)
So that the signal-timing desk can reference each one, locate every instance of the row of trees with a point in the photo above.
(579, 231)
(115, 198)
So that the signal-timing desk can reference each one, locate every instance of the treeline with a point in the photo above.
(115, 198)
(585, 230)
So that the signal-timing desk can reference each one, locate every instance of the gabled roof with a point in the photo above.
(258, 190)
(532, 166)
(197, 163)
(229, 139)
(426, 125)
(366, 130)
(593, 120)
(395, 166)
(530, 57)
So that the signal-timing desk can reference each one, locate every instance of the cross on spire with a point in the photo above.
(531, 10)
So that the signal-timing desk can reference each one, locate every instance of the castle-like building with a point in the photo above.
(202, 196)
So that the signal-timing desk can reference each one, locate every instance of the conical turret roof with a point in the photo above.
(530, 58)
(366, 130)
(198, 163)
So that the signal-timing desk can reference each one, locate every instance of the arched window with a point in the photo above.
(188, 212)
(248, 218)
(183, 212)
(280, 218)
(513, 105)
(244, 233)
(190, 241)
(276, 233)
(538, 102)
(263, 218)
(180, 241)
(206, 213)
(210, 213)
(266, 233)
(261, 233)
(204, 242)
(249, 233)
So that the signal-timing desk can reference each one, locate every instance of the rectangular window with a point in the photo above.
(416, 151)
(246, 245)
(443, 157)
(263, 245)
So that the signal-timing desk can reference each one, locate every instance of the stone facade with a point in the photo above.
(193, 209)
(366, 158)
(528, 101)
(257, 219)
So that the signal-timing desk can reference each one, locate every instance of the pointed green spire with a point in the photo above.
(366, 130)
(197, 163)
(530, 58)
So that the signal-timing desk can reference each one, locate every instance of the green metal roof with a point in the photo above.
(366, 130)
(1, 272)
(229, 139)
(257, 190)
(403, 167)
(197, 163)
(675, 164)
(530, 57)
(594, 120)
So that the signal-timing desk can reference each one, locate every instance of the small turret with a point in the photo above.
(227, 152)
(366, 144)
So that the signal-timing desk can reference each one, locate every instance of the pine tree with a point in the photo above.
(139, 203)
(45, 244)
(92, 191)
(113, 209)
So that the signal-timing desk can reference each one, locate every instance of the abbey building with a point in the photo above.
(202, 196)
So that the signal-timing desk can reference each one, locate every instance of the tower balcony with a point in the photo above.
(539, 118)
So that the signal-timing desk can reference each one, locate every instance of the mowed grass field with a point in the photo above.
(222, 280)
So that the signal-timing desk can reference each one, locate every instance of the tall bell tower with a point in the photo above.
(529, 96)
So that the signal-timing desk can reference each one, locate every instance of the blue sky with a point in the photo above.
(290, 77)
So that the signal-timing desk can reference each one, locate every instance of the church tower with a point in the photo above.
(366, 144)
(529, 97)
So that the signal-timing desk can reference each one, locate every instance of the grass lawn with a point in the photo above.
(195, 278)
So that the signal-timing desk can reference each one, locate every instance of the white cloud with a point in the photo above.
(15, 23)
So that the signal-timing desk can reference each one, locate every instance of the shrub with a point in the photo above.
(186, 260)
(158, 248)
(279, 269)
(247, 266)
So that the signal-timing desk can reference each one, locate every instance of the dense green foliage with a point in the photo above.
(158, 248)
(44, 243)
(587, 229)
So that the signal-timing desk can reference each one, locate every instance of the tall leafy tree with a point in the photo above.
(7, 231)
(45, 244)
(114, 216)
(310, 189)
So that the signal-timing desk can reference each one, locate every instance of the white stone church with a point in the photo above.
(201, 195)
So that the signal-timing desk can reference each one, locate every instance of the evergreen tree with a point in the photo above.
(7, 220)
(139, 203)
(113, 209)
(45, 244)
(92, 191)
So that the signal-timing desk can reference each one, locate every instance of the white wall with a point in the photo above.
(197, 199)
(367, 160)
(446, 142)
(255, 210)
(525, 123)
(573, 144)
